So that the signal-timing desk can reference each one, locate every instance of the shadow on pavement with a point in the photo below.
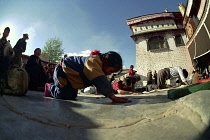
(32, 116)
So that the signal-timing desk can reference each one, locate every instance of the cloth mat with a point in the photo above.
(181, 92)
(203, 80)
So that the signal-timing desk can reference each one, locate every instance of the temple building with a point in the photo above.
(172, 38)
(160, 42)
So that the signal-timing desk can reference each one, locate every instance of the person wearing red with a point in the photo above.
(77, 72)
(131, 71)
(121, 88)
(132, 77)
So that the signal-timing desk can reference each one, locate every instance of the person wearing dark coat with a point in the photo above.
(6, 53)
(35, 71)
(19, 48)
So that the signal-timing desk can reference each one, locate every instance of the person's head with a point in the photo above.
(112, 62)
(50, 65)
(65, 55)
(132, 66)
(37, 52)
(25, 36)
(6, 32)
(185, 73)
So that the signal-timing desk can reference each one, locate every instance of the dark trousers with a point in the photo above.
(162, 76)
(149, 82)
(61, 88)
(17, 58)
(4, 66)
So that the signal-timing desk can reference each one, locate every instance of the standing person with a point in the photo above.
(149, 77)
(19, 48)
(173, 72)
(6, 53)
(76, 72)
(35, 70)
(155, 77)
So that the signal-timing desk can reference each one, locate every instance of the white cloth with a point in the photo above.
(191, 76)
(177, 72)
(90, 90)
(6, 49)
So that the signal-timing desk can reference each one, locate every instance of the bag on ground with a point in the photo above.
(17, 82)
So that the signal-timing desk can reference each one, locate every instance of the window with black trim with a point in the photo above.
(178, 40)
(157, 42)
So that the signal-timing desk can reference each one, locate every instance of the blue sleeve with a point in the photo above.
(103, 85)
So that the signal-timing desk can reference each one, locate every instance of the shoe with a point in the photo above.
(46, 90)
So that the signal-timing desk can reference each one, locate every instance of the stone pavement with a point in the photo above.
(151, 116)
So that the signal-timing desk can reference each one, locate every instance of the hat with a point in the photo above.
(26, 35)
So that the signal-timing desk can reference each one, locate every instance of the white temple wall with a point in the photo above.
(156, 60)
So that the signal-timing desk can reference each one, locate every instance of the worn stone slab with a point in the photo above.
(149, 116)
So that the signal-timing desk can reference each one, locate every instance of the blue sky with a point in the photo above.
(82, 25)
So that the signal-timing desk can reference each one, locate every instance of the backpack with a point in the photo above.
(17, 81)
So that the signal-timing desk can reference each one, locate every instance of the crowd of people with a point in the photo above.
(71, 74)
(10, 57)
(158, 80)
(39, 74)
(77, 72)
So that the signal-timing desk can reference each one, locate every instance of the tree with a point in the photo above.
(53, 48)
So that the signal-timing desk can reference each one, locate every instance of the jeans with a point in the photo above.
(64, 90)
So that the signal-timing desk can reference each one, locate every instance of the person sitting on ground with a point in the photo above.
(132, 78)
(197, 76)
(36, 71)
(49, 72)
(77, 72)
(131, 71)
(172, 72)
(121, 88)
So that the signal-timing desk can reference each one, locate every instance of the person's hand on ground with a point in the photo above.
(119, 99)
